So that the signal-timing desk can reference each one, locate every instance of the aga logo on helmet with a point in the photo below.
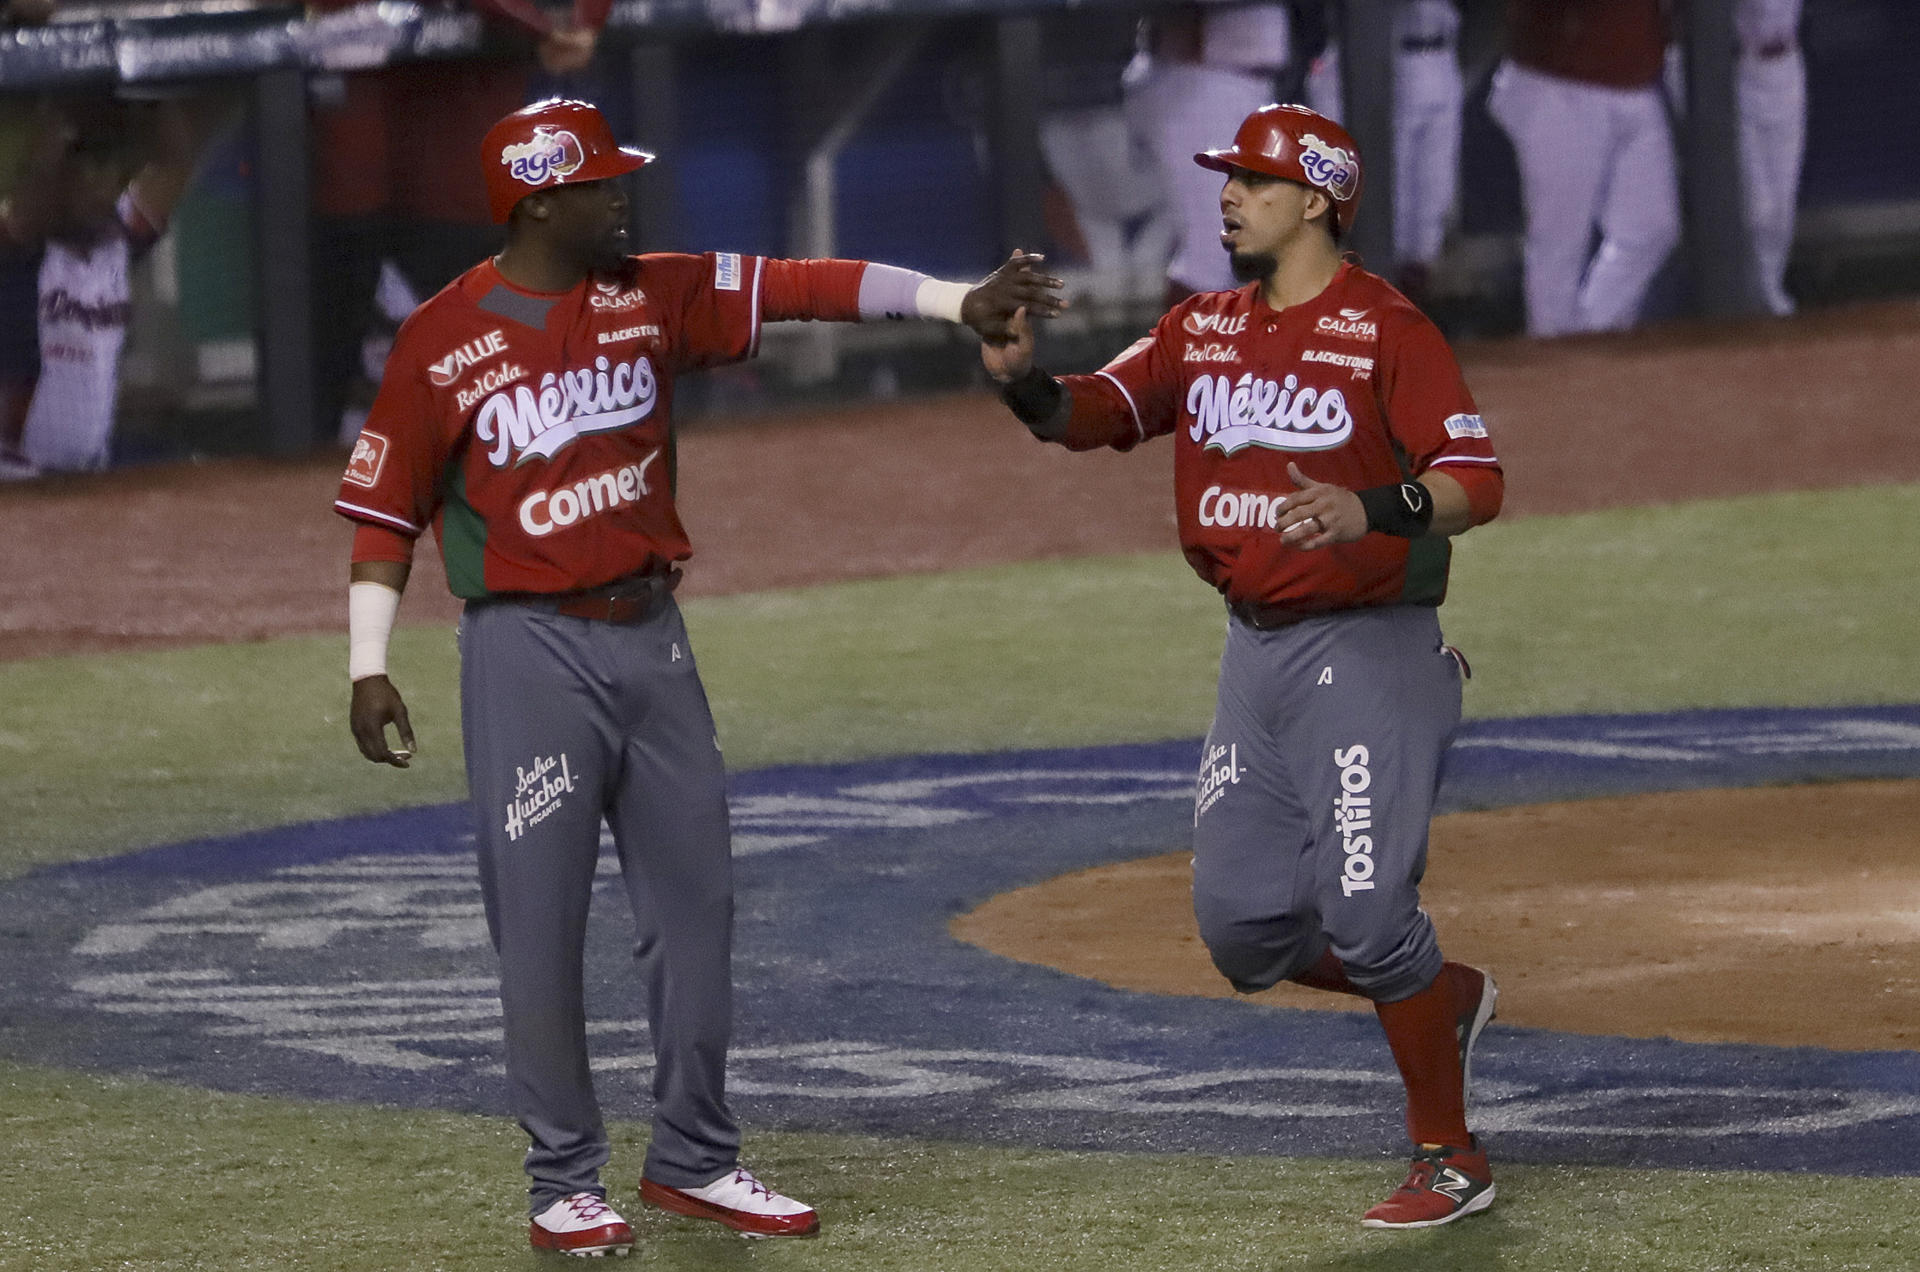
(551, 154)
(1333, 168)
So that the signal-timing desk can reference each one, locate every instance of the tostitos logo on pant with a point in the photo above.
(1353, 813)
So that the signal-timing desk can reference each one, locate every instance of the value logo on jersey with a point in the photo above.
(368, 458)
(468, 356)
(551, 154)
(1215, 324)
(1334, 169)
(544, 511)
(1278, 415)
(525, 424)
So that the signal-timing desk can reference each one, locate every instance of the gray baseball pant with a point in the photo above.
(1316, 786)
(567, 720)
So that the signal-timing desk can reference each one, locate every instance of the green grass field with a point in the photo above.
(1766, 600)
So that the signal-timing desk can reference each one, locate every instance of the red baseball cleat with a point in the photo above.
(1444, 1184)
(582, 1224)
(741, 1202)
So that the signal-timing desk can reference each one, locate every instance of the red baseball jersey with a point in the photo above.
(534, 430)
(1355, 386)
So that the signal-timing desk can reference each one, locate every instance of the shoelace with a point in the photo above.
(587, 1207)
(753, 1185)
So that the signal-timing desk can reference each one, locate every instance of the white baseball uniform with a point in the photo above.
(1581, 102)
(1427, 96)
(1183, 107)
(1772, 80)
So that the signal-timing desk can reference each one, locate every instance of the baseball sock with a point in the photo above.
(1420, 1031)
(1327, 973)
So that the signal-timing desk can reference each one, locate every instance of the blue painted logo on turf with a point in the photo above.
(350, 959)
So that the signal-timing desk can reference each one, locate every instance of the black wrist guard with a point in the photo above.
(1034, 398)
(1405, 510)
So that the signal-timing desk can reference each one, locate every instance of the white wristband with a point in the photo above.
(935, 299)
(371, 609)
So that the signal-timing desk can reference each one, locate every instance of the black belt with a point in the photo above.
(1425, 43)
(1268, 618)
(633, 599)
(1770, 50)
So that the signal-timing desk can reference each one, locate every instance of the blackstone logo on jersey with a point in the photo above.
(549, 155)
(1278, 415)
(544, 511)
(523, 425)
(1353, 813)
(537, 792)
(1219, 769)
(1216, 324)
(641, 332)
(488, 381)
(465, 358)
(1361, 367)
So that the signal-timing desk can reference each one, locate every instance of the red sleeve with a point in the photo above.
(378, 543)
(393, 475)
(1431, 414)
(591, 15)
(823, 291)
(1132, 398)
(521, 13)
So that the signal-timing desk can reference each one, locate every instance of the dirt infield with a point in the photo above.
(248, 550)
(1777, 915)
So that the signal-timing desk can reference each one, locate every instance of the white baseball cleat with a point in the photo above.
(582, 1224)
(741, 1202)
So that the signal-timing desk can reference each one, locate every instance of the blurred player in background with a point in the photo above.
(1772, 85)
(1427, 96)
(70, 234)
(1580, 98)
(1201, 69)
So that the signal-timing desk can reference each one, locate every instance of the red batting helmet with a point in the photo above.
(550, 143)
(1300, 145)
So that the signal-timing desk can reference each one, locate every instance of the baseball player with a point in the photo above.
(526, 415)
(1325, 450)
(1579, 96)
(1772, 84)
(1428, 93)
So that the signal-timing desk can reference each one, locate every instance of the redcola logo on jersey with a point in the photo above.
(550, 154)
(1279, 415)
(526, 424)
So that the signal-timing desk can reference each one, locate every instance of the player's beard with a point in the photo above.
(1253, 267)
